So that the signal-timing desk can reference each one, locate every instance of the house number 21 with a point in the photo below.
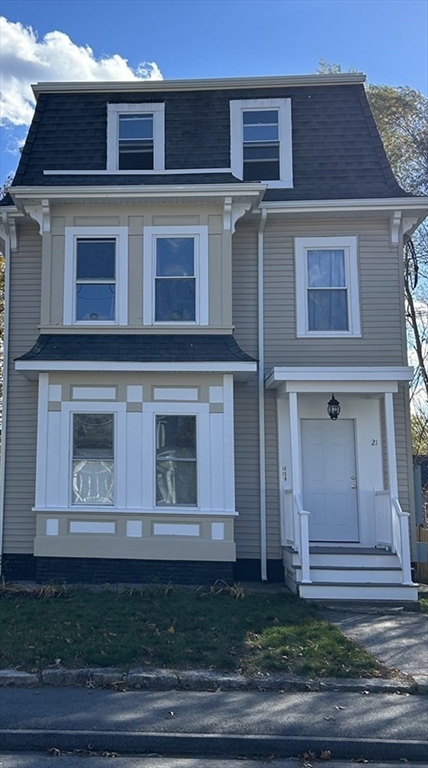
(374, 442)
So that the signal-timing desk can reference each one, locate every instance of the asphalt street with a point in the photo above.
(227, 724)
(26, 760)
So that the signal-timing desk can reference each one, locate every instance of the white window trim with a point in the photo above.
(113, 112)
(203, 454)
(201, 273)
(349, 245)
(120, 234)
(285, 138)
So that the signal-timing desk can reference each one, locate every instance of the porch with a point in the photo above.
(344, 533)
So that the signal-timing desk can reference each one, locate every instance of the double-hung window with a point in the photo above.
(327, 287)
(96, 275)
(175, 275)
(135, 137)
(93, 459)
(95, 279)
(176, 461)
(261, 146)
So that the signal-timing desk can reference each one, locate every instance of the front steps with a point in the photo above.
(349, 573)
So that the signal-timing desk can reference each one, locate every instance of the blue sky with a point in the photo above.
(386, 39)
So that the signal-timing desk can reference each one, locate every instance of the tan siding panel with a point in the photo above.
(25, 288)
(247, 525)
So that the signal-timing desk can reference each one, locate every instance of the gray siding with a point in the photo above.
(382, 343)
(25, 287)
(381, 302)
(244, 304)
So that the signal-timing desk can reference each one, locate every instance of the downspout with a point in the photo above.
(7, 240)
(261, 394)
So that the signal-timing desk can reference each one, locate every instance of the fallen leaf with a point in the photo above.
(325, 754)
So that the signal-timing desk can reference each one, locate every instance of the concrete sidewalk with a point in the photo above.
(397, 639)
(226, 724)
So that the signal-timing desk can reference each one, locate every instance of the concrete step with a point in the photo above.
(372, 558)
(343, 591)
(353, 575)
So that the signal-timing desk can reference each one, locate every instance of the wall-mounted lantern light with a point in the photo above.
(333, 408)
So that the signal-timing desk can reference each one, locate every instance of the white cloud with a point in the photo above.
(25, 59)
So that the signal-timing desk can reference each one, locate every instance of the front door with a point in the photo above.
(330, 479)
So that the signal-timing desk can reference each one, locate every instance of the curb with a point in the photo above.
(149, 678)
(216, 745)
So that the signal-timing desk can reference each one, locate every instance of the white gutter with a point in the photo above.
(133, 190)
(7, 251)
(142, 86)
(368, 204)
(261, 394)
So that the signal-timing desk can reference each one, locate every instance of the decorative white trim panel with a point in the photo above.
(176, 529)
(81, 526)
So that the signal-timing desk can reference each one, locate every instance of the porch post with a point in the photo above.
(400, 521)
(390, 445)
(295, 443)
(301, 519)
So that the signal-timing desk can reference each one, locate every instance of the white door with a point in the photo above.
(330, 479)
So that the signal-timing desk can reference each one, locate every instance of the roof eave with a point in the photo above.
(272, 81)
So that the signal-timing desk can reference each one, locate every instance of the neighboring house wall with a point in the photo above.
(25, 287)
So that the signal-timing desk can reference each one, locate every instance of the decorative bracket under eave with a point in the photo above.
(231, 213)
(8, 229)
(410, 223)
(395, 227)
(41, 214)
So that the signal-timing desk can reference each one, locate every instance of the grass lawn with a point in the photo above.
(165, 627)
(423, 599)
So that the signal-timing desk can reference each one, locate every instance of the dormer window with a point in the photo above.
(135, 137)
(260, 145)
(136, 141)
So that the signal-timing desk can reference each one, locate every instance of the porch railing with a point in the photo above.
(295, 531)
(392, 530)
(383, 519)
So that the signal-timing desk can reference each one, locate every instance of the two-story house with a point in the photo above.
(206, 372)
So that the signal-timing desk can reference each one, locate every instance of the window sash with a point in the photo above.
(327, 291)
(92, 465)
(103, 306)
(176, 464)
(175, 295)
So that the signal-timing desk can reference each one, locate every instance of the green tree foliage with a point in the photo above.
(401, 116)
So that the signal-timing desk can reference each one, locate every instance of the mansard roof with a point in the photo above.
(337, 151)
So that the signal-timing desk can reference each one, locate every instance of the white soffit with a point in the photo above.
(352, 379)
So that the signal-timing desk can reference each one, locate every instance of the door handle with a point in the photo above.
(353, 486)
